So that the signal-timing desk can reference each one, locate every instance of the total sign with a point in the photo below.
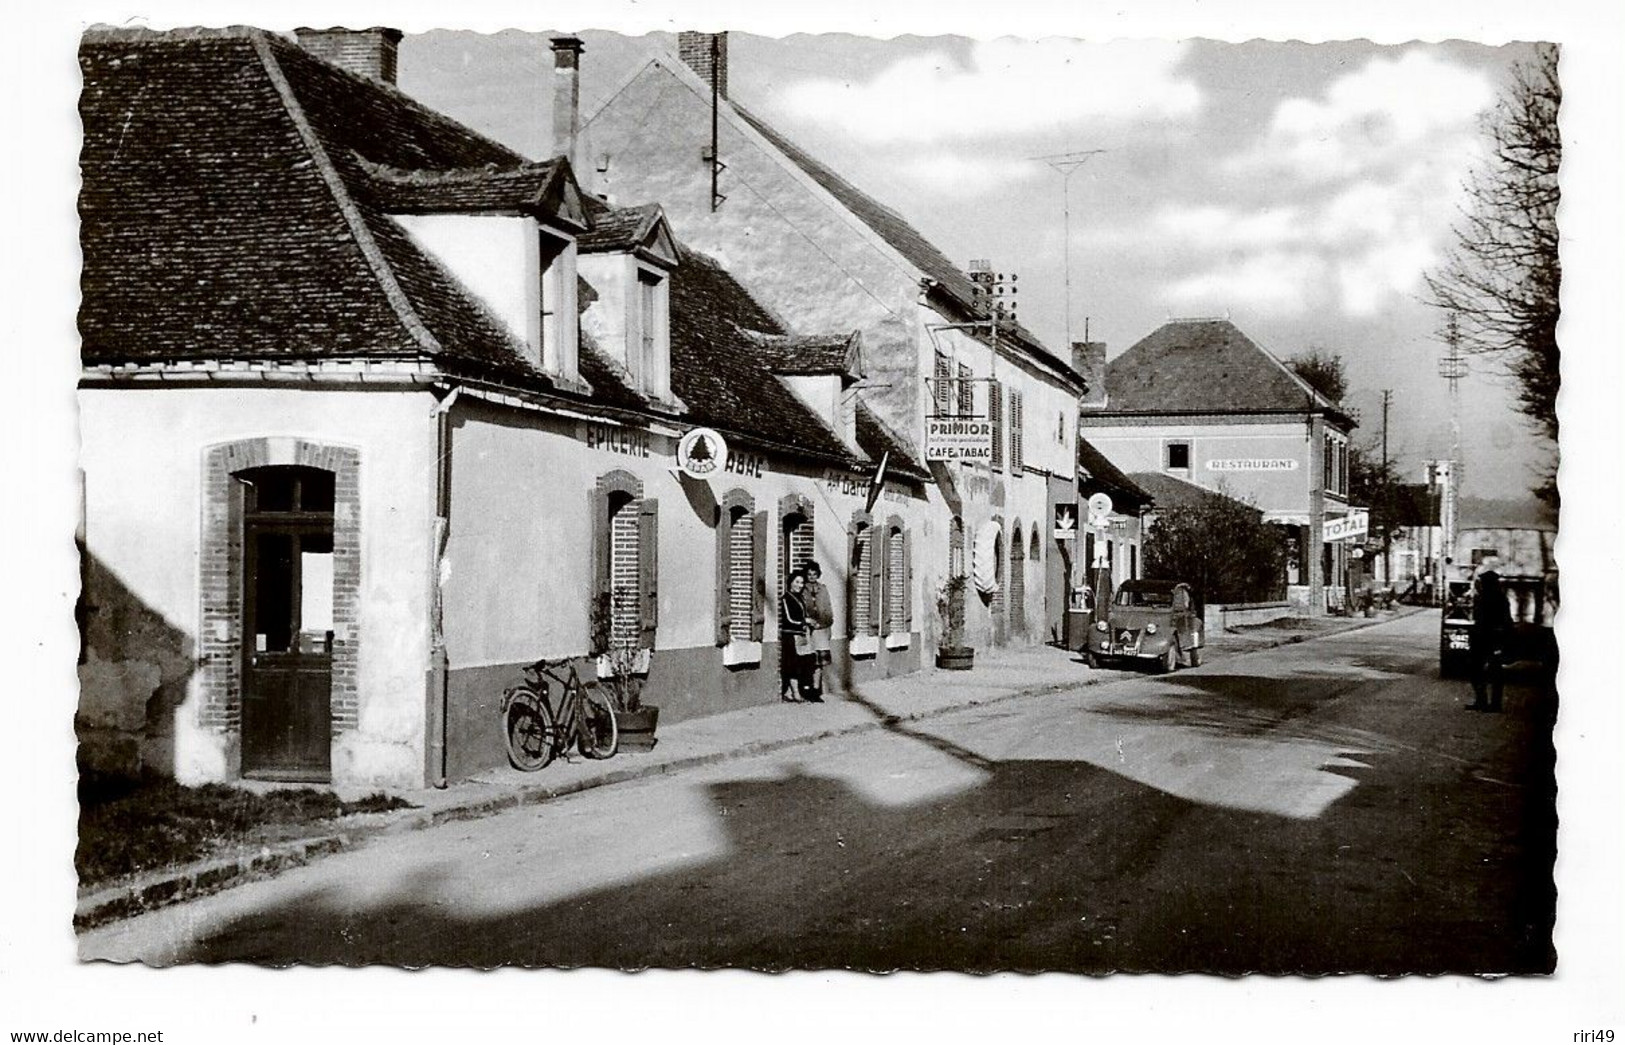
(1352, 525)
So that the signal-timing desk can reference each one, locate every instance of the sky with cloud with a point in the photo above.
(1301, 189)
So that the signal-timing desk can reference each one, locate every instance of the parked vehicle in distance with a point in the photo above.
(1522, 557)
(1155, 621)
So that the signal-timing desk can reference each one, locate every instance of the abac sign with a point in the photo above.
(958, 439)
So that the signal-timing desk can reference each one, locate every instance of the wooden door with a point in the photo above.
(288, 624)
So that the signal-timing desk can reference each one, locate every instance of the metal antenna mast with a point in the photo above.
(1068, 163)
(1452, 367)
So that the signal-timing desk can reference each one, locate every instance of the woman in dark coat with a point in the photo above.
(794, 680)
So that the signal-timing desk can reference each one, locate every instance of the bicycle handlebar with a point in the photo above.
(542, 665)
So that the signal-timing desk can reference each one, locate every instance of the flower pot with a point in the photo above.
(955, 658)
(637, 728)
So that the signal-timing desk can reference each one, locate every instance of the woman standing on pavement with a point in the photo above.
(795, 647)
(820, 619)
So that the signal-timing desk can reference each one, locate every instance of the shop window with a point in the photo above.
(1178, 456)
(741, 569)
(625, 562)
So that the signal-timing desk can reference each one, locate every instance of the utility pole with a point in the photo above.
(1068, 164)
(1388, 496)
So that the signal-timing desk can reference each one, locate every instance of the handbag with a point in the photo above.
(803, 644)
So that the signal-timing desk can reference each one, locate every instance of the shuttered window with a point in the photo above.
(942, 378)
(741, 550)
(1018, 459)
(995, 413)
(626, 564)
(896, 581)
(967, 405)
(862, 587)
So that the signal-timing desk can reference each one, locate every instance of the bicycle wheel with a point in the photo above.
(598, 735)
(532, 733)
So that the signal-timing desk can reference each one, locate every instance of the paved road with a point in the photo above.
(1318, 808)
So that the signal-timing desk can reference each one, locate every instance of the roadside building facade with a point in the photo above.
(1199, 400)
(821, 254)
(375, 411)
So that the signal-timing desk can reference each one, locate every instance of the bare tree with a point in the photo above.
(1500, 278)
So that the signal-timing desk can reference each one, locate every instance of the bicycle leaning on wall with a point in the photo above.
(537, 731)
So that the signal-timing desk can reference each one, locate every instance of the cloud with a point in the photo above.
(1272, 282)
(1007, 87)
(1372, 119)
(956, 174)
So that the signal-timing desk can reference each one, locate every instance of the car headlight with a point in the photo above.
(1151, 629)
(1101, 625)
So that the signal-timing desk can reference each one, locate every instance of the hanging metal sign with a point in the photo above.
(702, 453)
(958, 439)
(1352, 525)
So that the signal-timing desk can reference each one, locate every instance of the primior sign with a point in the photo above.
(958, 439)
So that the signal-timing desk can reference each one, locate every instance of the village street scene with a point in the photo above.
(563, 499)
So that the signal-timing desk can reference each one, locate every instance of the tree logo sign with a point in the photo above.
(702, 453)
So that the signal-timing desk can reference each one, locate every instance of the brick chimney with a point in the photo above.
(704, 51)
(366, 52)
(566, 98)
(1089, 359)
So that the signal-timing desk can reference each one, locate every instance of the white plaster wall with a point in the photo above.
(494, 256)
(142, 452)
(520, 545)
(1140, 449)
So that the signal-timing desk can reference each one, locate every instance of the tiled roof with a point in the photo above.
(1101, 476)
(904, 238)
(217, 217)
(615, 228)
(466, 190)
(1169, 491)
(876, 438)
(234, 202)
(809, 354)
(718, 368)
(1206, 366)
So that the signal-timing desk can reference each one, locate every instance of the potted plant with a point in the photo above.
(621, 668)
(952, 653)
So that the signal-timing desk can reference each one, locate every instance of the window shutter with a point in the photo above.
(908, 583)
(995, 413)
(944, 379)
(598, 506)
(966, 388)
(724, 598)
(758, 573)
(1018, 459)
(649, 568)
(853, 566)
(877, 580)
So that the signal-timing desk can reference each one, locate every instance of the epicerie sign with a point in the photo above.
(956, 439)
(1253, 464)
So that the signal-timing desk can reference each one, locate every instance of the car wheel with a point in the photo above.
(1194, 657)
(1170, 657)
(1091, 660)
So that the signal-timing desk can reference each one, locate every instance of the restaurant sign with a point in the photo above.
(1253, 464)
(958, 439)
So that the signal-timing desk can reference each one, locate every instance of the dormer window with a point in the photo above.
(554, 336)
(653, 334)
(627, 257)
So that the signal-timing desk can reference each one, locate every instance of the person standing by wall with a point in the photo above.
(820, 619)
(1487, 643)
(795, 645)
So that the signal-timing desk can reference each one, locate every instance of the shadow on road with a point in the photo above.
(1044, 865)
